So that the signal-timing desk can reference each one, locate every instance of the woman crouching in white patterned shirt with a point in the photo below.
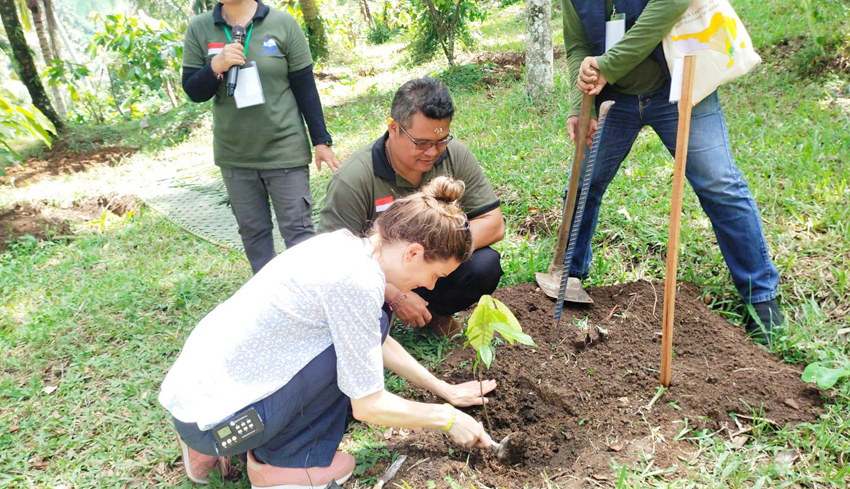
(276, 370)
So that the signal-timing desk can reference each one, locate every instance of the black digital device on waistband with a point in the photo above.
(237, 429)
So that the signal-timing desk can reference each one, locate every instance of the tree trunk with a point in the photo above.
(315, 29)
(38, 21)
(68, 45)
(51, 29)
(115, 101)
(46, 50)
(25, 63)
(486, 416)
(170, 92)
(538, 48)
(364, 9)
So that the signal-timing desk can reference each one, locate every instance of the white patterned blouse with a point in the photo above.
(327, 290)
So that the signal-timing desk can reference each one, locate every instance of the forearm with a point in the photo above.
(577, 48)
(390, 293)
(398, 360)
(385, 409)
(637, 44)
(200, 84)
(487, 229)
(303, 86)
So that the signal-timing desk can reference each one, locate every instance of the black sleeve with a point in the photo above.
(306, 94)
(200, 84)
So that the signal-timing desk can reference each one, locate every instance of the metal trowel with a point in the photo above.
(511, 449)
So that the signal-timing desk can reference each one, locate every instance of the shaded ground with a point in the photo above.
(582, 404)
(62, 161)
(43, 221)
(797, 53)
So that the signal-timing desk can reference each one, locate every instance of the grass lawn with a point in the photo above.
(90, 324)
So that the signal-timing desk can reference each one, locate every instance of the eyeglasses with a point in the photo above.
(425, 145)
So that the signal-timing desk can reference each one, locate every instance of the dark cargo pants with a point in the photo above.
(249, 192)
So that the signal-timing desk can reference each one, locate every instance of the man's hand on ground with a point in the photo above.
(413, 311)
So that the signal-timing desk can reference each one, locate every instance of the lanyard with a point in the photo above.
(247, 39)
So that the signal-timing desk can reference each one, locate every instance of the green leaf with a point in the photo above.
(512, 320)
(491, 316)
(513, 335)
(37, 130)
(824, 376)
(478, 332)
(487, 353)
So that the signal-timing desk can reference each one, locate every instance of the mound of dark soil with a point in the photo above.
(582, 403)
(62, 161)
(43, 221)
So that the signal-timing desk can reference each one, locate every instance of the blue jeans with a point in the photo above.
(711, 171)
(304, 420)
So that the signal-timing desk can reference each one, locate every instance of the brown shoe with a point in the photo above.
(199, 466)
(445, 326)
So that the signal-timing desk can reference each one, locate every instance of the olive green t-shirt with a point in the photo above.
(626, 66)
(366, 185)
(267, 136)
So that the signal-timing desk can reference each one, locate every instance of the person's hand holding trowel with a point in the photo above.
(468, 432)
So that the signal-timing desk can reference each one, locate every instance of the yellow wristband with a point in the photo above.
(452, 420)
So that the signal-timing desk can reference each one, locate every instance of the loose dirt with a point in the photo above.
(62, 161)
(584, 397)
(43, 221)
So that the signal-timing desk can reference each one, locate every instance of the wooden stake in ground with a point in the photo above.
(684, 130)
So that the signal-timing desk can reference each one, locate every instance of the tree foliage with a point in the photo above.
(134, 66)
(441, 24)
(491, 316)
(148, 52)
(393, 18)
(24, 63)
(17, 120)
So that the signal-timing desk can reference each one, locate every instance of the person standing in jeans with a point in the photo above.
(262, 149)
(634, 74)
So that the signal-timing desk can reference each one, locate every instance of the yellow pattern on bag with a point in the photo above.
(713, 32)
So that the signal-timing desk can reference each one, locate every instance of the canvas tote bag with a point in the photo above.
(713, 32)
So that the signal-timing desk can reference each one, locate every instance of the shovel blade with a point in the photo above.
(550, 284)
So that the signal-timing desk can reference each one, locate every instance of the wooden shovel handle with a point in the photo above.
(575, 177)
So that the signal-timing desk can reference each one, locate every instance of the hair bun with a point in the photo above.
(444, 189)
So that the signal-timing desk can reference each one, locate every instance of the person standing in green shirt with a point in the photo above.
(633, 73)
(261, 148)
(418, 147)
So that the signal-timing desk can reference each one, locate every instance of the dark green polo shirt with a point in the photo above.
(267, 136)
(366, 185)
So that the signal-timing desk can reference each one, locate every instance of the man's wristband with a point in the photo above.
(397, 300)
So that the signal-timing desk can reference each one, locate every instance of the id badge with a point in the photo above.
(249, 89)
(615, 29)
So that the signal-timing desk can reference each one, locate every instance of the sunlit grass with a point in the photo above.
(102, 316)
